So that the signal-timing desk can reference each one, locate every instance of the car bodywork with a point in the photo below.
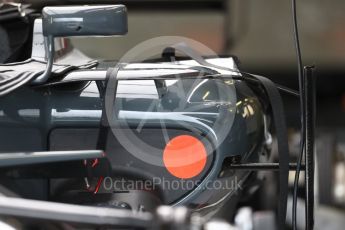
(154, 100)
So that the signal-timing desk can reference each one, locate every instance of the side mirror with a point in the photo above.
(67, 21)
(84, 21)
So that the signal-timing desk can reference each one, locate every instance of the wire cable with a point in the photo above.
(302, 106)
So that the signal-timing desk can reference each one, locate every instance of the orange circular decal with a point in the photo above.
(185, 156)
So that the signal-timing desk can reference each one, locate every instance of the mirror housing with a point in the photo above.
(68, 21)
(107, 20)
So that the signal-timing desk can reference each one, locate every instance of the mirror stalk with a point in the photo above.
(50, 47)
(70, 21)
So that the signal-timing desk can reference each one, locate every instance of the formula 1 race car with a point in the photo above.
(89, 143)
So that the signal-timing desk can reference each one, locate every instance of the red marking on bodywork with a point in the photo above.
(99, 183)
